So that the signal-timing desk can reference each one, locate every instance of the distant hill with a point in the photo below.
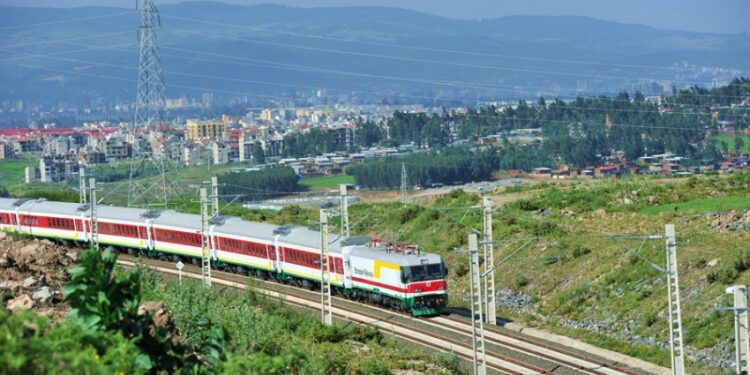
(347, 51)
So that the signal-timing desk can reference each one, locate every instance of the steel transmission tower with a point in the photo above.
(152, 93)
(149, 110)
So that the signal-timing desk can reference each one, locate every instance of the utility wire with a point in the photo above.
(565, 122)
(67, 20)
(329, 71)
(422, 48)
(416, 60)
(609, 110)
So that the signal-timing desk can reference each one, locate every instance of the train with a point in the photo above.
(396, 276)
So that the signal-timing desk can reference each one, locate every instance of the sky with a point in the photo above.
(716, 16)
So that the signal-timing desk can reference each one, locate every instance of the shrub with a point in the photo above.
(374, 366)
(580, 251)
(409, 213)
(520, 282)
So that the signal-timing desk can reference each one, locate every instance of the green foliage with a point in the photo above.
(425, 169)
(101, 300)
(315, 142)
(259, 156)
(104, 301)
(373, 366)
(62, 195)
(32, 345)
(520, 282)
(706, 330)
(12, 172)
(525, 158)
(264, 336)
(409, 213)
(262, 364)
(580, 251)
(728, 273)
(575, 133)
(259, 185)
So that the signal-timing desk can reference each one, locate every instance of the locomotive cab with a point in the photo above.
(426, 287)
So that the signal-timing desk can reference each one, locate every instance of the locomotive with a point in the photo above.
(396, 276)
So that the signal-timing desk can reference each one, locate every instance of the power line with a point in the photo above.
(263, 63)
(83, 37)
(609, 110)
(422, 48)
(418, 60)
(67, 20)
(564, 122)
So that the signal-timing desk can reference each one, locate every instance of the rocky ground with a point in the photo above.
(32, 275)
(731, 221)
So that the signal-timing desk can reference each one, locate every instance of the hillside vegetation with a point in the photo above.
(135, 322)
(586, 273)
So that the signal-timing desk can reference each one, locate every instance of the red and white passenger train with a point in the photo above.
(398, 277)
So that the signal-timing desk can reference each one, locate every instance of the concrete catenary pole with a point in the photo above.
(489, 262)
(326, 316)
(742, 345)
(82, 185)
(477, 326)
(675, 314)
(344, 211)
(214, 196)
(205, 240)
(94, 218)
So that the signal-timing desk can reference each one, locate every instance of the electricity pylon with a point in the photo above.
(149, 110)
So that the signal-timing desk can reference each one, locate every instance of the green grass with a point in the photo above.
(327, 181)
(730, 141)
(702, 205)
(12, 171)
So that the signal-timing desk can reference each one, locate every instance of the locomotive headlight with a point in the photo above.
(418, 290)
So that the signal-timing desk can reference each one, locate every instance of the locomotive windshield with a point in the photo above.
(425, 272)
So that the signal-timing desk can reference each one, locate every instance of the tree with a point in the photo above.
(724, 147)
(258, 154)
(738, 144)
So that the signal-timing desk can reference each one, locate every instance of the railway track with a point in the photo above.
(506, 353)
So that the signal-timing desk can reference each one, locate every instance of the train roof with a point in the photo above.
(177, 219)
(238, 227)
(400, 258)
(7, 204)
(288, 234)
(42, 205)
(119, 213)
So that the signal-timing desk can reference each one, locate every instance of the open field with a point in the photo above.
(730, 141)
(720, 204)
(12, 171)
(327, 181)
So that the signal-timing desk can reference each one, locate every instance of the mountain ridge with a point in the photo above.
(376, 52)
